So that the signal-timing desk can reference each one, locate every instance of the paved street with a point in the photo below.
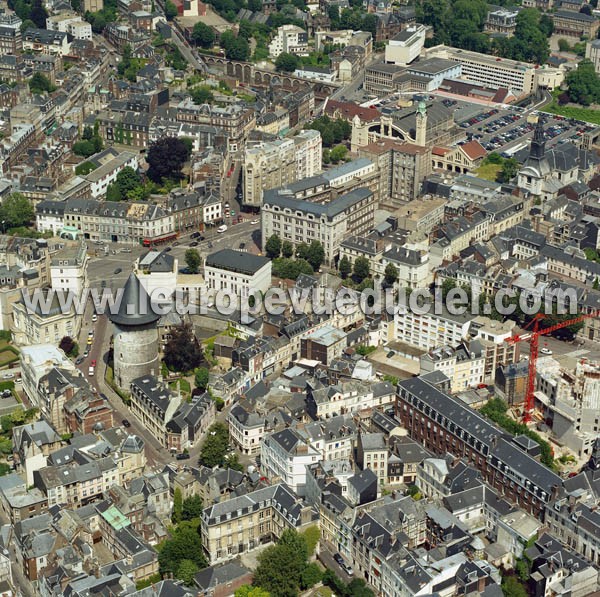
(326, 552)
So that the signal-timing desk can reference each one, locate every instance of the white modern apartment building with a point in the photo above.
(289, 38)
(110, 163)
(70, 23)
(285, 456)
(405, 46)
(237, 272)
(68, 269)
(427, 330)
(277, 163)
(464, 369)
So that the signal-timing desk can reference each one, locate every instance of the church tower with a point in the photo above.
(594, 462)
(135, 351)
(421, 125)
(537, 150)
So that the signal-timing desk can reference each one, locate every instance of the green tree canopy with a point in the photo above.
(16, 210)
(390, 274)
(177, 513)
(192, 507)
(315, 255)
(203, 35)
(201, 378)
(193, 260)
(185, 544)
(41, 84)
(214, 448)
(361, 269)
(345, 267)
(287, 62)
(584, 84)
(170, 10)
(287, 249)
(250, 591)
(273, 247)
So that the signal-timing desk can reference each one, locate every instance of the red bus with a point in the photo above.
(152, 242)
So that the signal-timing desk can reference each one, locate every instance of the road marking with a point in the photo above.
(577, 353)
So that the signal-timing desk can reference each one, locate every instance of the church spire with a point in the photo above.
(538, 143)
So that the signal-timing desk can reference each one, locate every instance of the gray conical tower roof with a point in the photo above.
(135, 307)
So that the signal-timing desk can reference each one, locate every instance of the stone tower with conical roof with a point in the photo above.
(135, 346)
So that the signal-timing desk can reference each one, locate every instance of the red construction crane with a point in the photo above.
(534, 339)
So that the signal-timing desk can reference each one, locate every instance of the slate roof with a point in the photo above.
(135, 308)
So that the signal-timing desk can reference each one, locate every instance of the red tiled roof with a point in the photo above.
(438, 150)
(349, 110)
(474, 150)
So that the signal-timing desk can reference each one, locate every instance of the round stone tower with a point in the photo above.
(135, 335)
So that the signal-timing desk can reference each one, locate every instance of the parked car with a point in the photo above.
(126, 423)
(347, 568)
(91, 371)
(182, 456)
(545, 350)
(94, 318)
(390, 354)
(118, 271)
(242, 246)
(126, 250)
(338, 558)
(255, 222)
(6, 393)
(195, 235)
(8, 375)
(79, 360)
(194, 244)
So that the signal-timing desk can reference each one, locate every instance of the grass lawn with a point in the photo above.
(585, 114)
(489, 171)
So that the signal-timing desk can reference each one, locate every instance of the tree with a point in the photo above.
(287, 249)
(41, 84)
(16, 210)
(563, 45)
(127, 180)
(193, 260)
(338, 153)
(84, 148)
(38, 14)
(203, 35)
(250, 591)
(202, 94)
(170, 10)
(315, 255)
(192, 507)
(510, 167)
(186, 571)
(511, 587)
(584, 84)
(182, 352)
(273, 247)
(201, 378)
(280, 566)
(361, 269)
(177, 514)
(310, 576)
(586, 9)
(166, 158)
(113, 192)
(344, 267)
(255, 5)
(287, 62)
(214, 447)
(185, 544)
(390, 275)
(69, 346)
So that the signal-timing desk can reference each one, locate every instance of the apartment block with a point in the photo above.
(443, 424)
(277, 163)
(300, 221)
(291, 39)
(575, 24)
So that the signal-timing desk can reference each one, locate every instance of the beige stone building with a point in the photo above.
(242, 524)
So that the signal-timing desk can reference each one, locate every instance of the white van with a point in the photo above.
(91, 371)
(222, 228)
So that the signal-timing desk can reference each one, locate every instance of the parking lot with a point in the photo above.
(507, 130)
(500, 129)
